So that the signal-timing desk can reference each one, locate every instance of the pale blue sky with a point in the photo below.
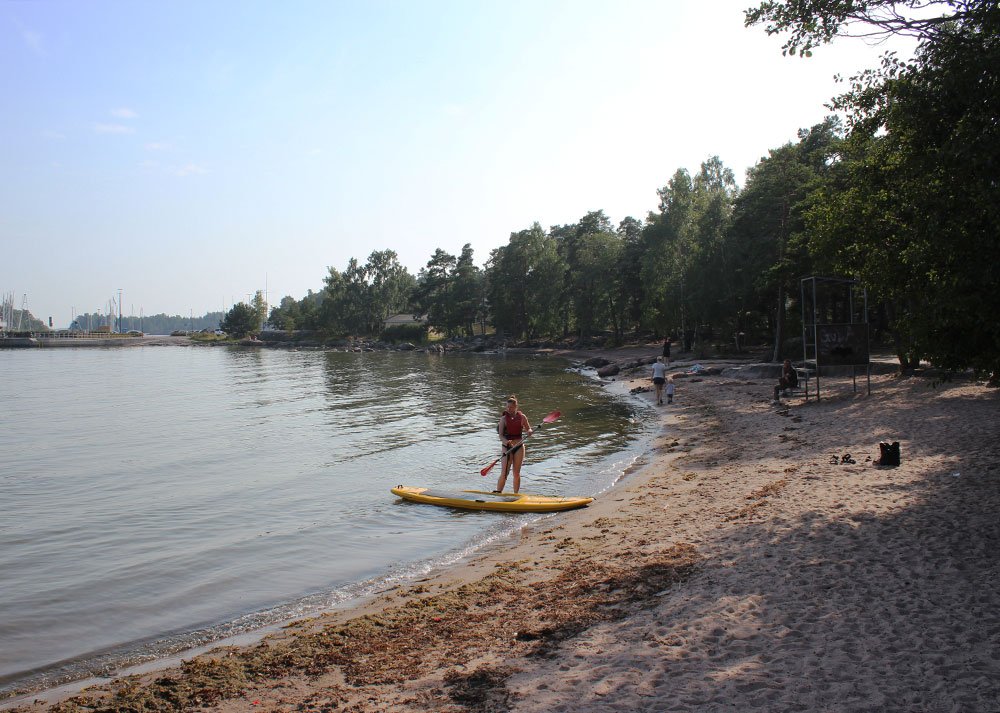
(186, 151)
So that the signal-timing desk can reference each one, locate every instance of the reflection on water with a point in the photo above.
(157, 497)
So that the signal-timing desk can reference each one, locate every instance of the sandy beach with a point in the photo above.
(746, 564)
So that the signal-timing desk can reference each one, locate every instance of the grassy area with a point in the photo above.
(203, 337)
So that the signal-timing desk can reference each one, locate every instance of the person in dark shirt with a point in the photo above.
(788, 380)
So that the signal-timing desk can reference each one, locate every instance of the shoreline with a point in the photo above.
(736, 566)
(66, 684)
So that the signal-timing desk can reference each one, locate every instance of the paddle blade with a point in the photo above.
(488, 468)
(552, 417)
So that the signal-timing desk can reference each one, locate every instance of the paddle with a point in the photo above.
(548, 419)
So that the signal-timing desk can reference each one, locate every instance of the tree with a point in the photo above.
(259, 307)
(469, 290)
(599, 298)
(434, 294)
(285, 315)
(390, 288)
(525, 284)
(630, 288)
(290, 314)
(913, 205)
(589, 250)
(359, 299)
(768, 236)
(663, 283)
(686, 258)
(240, 321)
(811, 23)
(710, 260)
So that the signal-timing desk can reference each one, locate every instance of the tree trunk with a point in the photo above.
(779, 325)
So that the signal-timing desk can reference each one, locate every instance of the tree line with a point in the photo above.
(149, 324)
(902, 196)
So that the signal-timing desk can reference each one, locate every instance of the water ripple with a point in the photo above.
(158, 498)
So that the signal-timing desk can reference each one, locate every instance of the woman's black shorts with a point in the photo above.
(659, 380)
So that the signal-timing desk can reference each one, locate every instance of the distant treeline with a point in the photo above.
(150, 324)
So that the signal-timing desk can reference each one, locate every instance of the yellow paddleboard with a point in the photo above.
(483, 500)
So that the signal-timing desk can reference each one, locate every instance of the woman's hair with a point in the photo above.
(512, 397)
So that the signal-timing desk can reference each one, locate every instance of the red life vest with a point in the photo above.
(513, 425)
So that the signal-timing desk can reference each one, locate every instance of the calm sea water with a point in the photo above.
(156, 498)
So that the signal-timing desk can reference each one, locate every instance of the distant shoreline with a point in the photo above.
(94, 340)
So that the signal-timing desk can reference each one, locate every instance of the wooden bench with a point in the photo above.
(804, 374)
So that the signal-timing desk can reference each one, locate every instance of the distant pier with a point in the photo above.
(20, 340)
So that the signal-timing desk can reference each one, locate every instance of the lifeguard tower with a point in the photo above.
(834, 331)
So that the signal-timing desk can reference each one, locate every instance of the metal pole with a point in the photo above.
(868, 338)
(815, 317)
(805, 345)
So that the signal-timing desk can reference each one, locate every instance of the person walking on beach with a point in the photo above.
(670, 390)
(666, 350)
(512, 429)
(789, 378)
(659, 379)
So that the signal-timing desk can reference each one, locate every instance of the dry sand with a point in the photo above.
(738, 569)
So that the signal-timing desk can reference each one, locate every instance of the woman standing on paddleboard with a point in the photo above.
(513, 428)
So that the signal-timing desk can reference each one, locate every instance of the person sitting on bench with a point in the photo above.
(789, 379)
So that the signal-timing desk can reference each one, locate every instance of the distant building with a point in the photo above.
(402, 319)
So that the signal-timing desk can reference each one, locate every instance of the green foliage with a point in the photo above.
(355, 301)
(205, 337)
(415, 332)
(911, 207)
(450, 292)
(685, 272)
(259, 307)
(812, 23)
(768, 232)
(290, 314)
(240, 321)
(153, 323)
(525, 284)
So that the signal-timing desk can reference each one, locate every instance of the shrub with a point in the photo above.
(405, 333)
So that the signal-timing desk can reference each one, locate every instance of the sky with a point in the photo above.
(190, 153)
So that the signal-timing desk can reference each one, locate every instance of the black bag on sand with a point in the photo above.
(889, 454)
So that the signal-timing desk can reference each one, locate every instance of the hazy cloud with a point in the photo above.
(190, 169)
(157, 146)
(113, 129)
(123, 113)
(32, 39)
